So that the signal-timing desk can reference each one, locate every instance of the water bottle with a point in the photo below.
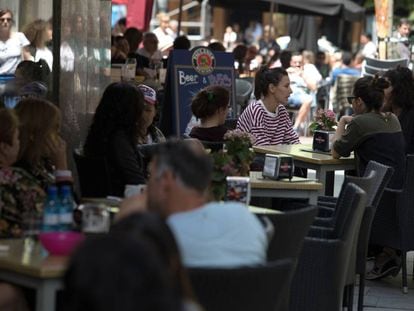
(50, 211)
(66, 209)
(129, 69)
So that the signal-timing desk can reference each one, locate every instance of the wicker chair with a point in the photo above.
(393, 223)
(290, 229)
(323, 264)
(243, 288)
(374, 188)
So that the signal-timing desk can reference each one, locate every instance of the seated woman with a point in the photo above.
(20, 193)
(370, 133)
(267, 118)
(399, 99)
(373, 135)
(42, 149)
(211, 106)
(114, 133)
(150, 133)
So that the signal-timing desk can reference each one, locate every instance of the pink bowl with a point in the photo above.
(60, 243)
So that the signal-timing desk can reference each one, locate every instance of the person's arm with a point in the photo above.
(340, 130)
(26, 55)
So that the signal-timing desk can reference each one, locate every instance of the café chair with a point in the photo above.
(290, 229)
(321, 272)
(393, 224)
(376, 178)
(242, 288)
(244, 90)
(339, 92)
(373, 66)
(93, 173)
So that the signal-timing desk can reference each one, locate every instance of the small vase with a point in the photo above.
(322, 140)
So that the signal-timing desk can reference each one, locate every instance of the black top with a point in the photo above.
(376, 137)
(124, 161)
(215, 133)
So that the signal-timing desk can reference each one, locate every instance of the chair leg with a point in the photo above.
(361, 292)
(351, 289)
(404, 272)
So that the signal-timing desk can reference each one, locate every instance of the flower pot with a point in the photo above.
(322, 140)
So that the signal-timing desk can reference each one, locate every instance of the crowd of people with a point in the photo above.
(173, 225)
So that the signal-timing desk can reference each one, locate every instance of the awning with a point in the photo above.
(345, 9)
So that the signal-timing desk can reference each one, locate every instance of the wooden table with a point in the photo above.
(324, 165)
(25, 263)
(297, 188)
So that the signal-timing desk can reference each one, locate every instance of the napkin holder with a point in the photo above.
(322, 140)
(278, 167)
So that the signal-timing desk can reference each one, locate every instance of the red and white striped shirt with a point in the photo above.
(267, 128)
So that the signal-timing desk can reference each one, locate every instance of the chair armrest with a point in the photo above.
(320, 232)
(325, 211)
(326, 198)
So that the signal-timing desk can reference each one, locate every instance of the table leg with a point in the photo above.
(327, 178)
(46, 295)
(330, 181)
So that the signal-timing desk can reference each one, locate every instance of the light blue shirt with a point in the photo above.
(219, 234)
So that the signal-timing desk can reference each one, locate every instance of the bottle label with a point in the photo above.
(65, 218)
(50, 219)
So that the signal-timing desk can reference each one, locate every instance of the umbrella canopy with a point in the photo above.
(345, 9)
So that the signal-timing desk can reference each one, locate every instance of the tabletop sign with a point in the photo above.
(187, 73)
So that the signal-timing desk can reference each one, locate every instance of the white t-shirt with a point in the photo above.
(219, 234)
(11, 52)
(165, 38)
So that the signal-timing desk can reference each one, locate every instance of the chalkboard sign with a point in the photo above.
(188, 72)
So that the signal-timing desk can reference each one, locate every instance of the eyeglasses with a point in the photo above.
(7, 19)
(351, 99)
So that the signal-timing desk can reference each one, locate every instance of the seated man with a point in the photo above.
(211, 234)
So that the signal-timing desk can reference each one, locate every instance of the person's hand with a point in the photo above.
(131, 205)
(346, 119)
(57, 152)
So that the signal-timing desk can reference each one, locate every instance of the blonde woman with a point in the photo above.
(37, 32)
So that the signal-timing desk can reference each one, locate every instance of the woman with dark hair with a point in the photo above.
(114, 133)
(211, 106)
(42, 149)
(373, 135)
(399, 99)
(13, 45)
(118, 272)
(370, 133)
(267, 118)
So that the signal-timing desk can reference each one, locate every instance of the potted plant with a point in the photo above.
(323, 128)
(234, 160)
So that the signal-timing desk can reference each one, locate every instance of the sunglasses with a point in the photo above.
(8, 19)
(351, 99)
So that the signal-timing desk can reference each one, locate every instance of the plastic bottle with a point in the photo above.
(130, 68)
(66, 209)
(50, 211)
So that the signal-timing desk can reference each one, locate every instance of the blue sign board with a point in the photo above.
(189, 72)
